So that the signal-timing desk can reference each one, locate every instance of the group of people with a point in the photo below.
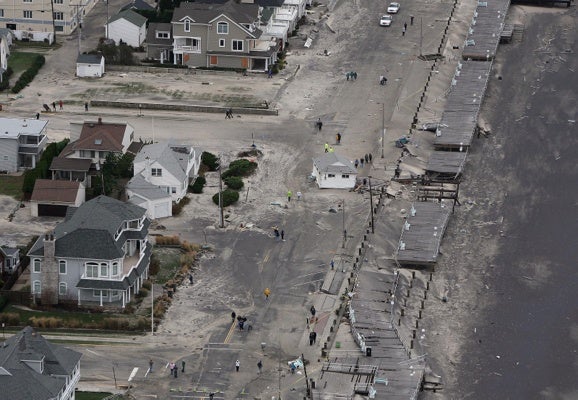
(229, 113)
(279, 235)
(351, 76)
(328, 149)
(174, 370)
(366, 159)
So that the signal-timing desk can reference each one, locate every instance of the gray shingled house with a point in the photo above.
(222, 35)
(98, 256)
(31, 368)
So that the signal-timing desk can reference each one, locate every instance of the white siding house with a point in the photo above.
(332, 171)
(89, 66)
(127, 26)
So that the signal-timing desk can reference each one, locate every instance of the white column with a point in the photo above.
(78, 296)
(123, 298)
(101, 297)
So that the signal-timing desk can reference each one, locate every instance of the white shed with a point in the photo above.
(332, 171)
(155, 200)
(90, 66)
(127, 26)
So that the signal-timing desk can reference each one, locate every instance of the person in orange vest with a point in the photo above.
(267, 292)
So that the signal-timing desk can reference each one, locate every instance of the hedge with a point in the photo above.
(234, 182)
(28, 75)
(241, 167)
(210, 160)
(197, 186)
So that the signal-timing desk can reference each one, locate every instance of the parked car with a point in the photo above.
(393, 8)
(385, 20)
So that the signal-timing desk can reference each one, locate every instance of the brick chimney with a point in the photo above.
(49, 271)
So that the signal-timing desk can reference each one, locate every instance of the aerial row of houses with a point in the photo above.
(245, 34)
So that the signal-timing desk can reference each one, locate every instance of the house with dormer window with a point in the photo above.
(32, 368)
(99, 256)
(222, 35)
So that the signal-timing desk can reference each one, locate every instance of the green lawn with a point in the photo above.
(19, 62)
(11, 186)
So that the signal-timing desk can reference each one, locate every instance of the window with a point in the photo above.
(103, 270)
(36, 287)
(187, 26)
(1, 12)
(114, 269)
(222, 28)
(331, 175)
(173, 190)
(193, 43)
(58, 1)
(162, 35)
(62, 288)
(221, 42)
(345, 176)
(62, 267)
(237, 45)
(36, 265)
(58, 16)
(91, 270)
(156, 172)
(27, 14)
(97, 293)
(114, 293)
(27, 1)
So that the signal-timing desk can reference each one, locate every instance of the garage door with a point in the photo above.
(162, 210)
(50, 210)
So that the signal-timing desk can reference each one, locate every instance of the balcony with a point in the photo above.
(32, 144)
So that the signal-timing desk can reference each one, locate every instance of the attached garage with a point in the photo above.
(162, 210)
(51, 210)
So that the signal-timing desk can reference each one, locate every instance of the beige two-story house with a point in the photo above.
(222, 35)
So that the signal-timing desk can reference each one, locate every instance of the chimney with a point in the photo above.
(49, 271)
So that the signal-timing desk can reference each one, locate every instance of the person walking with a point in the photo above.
(172, 366)
(267, 292)
(183, 366)
(313, 311)
(60, 104)
(270, 73)
(260, 366)
(370, 158)
(151, 363)
(191, 279)
(326, 147)
(332, 264)
(37, 115)
(86, 106)
(289, 194)
(331, 150)
(366, 157)
(233, 316)
(411, 19)
(211, 396)
(356, 163)
(405, 26)
(237, 365)
(361, 162)
(282, 235)
(276, 233)
(319, 124)
(403, 30)
(311, 338)
(299, 195)
(338, 138)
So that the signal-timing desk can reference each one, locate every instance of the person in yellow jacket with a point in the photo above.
(267, 292)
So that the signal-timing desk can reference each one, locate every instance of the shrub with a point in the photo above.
(228, 197)
(45, 322)
(178, 207)
(167, 240)
(6, 79)
(10, 319)
(188, 259)
(155, 265)
(210, 160)
(143, 292)
(234, 182)
(197, 186)
(241, 167)
(147, 284)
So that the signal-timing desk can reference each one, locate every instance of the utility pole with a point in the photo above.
(343, 226)
(106, 19)
(382, 127)
(371, 204)
(53, 24)
(221, 219)
(152, 308)
(306, 378)
(420, 35)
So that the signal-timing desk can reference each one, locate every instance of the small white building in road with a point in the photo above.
(332, 171)
(127, 26)
(90, 66)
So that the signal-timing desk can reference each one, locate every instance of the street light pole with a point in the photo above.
(107, 19)
(371, 204)
(221, 219)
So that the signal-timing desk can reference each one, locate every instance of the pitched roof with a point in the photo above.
(60, 191)
(137, 5)
(334, 163)
(203, 13)
(175, 158)
(155, 27)
(20, 381)
(131, 16)
(98, 136)
(88, 231)
(70, 164)
(145, 189)
(9, 251)
(89, 58)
